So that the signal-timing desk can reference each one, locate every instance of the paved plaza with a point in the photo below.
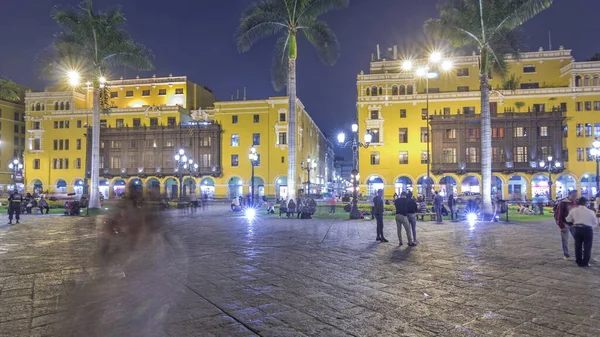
(216, 274)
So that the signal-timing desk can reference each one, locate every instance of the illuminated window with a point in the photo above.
(234, 160)
(374, 158)
(450, 134)
(119, 123)
(424, 135)
(497, 154)
(521, 154)
(472, 155)
(283, 138)
(449, 155)
(520, 132)
(256, 139)
(403, 157)
(403, 135)
(498, 133)
(424, 157)
(179, 91)
(580, 154)
(543, 131)
(235, 140)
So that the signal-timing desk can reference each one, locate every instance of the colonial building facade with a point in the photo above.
(547, 105)
(150, 121)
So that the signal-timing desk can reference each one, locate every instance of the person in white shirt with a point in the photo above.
(582, 219)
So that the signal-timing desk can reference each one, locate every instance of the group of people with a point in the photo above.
(575, 219)
(406, 217)
(305, 209)
(17, 203)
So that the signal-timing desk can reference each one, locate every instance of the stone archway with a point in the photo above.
(235, 187)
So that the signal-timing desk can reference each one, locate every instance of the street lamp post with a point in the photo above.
(354, 212)
(253, 156)
(311, 165)
(181, 160)
(595, 151)
(16, 165)
(424, 72)
(551, 166)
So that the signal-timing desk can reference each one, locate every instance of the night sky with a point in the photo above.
(195, 38)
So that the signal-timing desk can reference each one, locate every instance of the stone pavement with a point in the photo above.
(217, 274)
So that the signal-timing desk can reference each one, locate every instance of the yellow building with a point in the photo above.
(264, 125)
(55, 159)
(12, 140)
(392, 107)
(57, 121)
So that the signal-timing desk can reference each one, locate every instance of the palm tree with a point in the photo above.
(92, 43)
(9, 91)
(288, 18)
(491, 26)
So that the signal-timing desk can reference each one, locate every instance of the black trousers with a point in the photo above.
(379, 220)
(14, 211)
(42, 208)
(583, 236)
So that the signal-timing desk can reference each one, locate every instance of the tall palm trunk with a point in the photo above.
(95, 163)
(486, 145)
(291, 176)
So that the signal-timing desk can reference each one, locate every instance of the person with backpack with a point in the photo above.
(561, 210)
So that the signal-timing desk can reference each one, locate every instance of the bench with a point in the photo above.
(421, 216)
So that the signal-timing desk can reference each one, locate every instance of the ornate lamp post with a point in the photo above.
(253, 156)
(595, 152)
(181, 160)
(354, 213)
(311, 164)
(15, 166)
(552, 165)
(425, 72)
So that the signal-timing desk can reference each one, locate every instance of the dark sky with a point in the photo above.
(195, 38)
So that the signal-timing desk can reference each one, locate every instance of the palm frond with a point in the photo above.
(520, 11)
(261, 20)
(505, 42)
(279, 69)
(324, 40)
(90, 40)
(316, 8)
(9, 91)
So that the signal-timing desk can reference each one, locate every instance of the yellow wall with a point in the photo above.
(9, 149)
(555, 71)
(274, 156)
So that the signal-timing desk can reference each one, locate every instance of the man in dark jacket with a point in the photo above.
(451, 203)
(14, 206)
(402, 219)
(378, 215)
(562, 210)
(412, 209)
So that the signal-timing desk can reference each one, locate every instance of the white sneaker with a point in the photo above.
(566, 257)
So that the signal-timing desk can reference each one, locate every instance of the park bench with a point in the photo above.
(421, 216)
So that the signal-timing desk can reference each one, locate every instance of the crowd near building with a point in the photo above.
(150, 121)
(545, 116)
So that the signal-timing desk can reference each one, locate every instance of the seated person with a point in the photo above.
(235, 205)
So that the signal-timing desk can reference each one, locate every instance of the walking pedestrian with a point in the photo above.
(401, 205)
(451, 203)
(438, 203)
(43, 205)
(378, 215)
(412, 210)
(582, 219)
(560, 216)
(332, 204)
(14, 206)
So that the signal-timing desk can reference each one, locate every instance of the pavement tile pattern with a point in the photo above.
(217, 274)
